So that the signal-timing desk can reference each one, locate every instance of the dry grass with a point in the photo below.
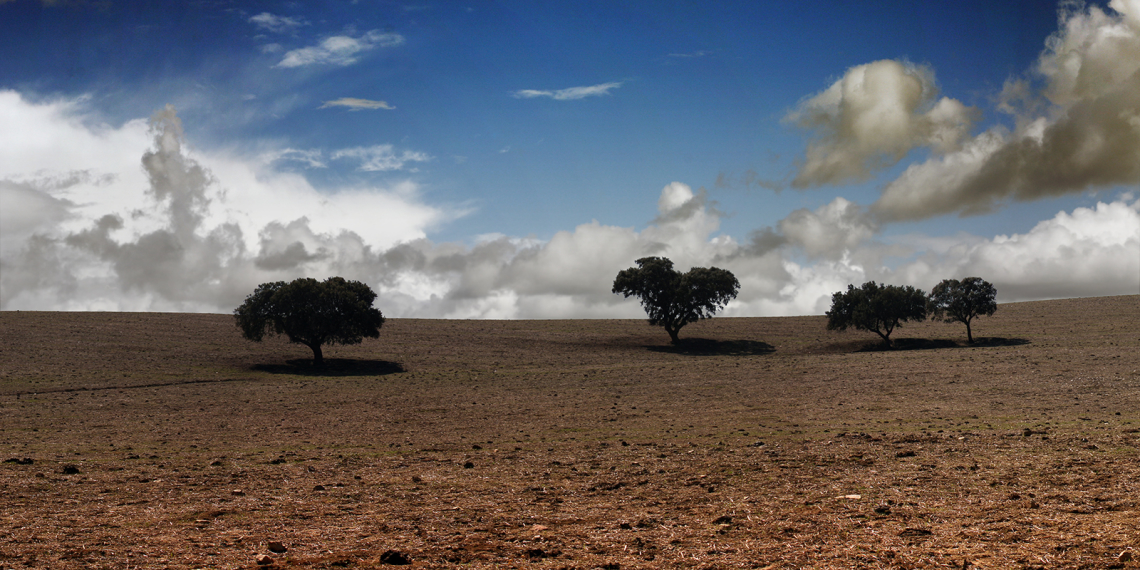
(574, 444)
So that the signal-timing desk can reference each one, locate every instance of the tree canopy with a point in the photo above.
(961, 301)
(876, 308)
(311, 312)
(672, 299)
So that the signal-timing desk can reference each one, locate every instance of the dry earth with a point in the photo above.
(167, 441)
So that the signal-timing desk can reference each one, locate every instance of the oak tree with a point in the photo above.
(961, 301)
(673, 299)
(311, 312)
(876, 308)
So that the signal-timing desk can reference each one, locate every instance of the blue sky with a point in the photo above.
(505, 160)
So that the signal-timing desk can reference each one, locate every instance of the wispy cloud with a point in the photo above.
(381, 157)
(569, 93)
(277, 24)
(700, 53)
(339, 50)
(312, 158)
(355, 104)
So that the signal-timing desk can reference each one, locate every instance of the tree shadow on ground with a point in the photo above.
(332, 367)
(997, 341)
(940, 343)
(709, 347)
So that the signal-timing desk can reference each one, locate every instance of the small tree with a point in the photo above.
(876, 308)
(673, 299)
(961, 301)
(311, 312)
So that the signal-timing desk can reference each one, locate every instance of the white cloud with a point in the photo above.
(29, 208)
(381, 157)
(376, 158)
(1088, 252)
(871, 118)
(312, 158)
(1081, 132)
(339, 50)
(569, 93)
(830, 232)
(570, 275)
(85, 228)
(354, 104)
(277, 24)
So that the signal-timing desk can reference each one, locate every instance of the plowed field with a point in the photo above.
(167, 441)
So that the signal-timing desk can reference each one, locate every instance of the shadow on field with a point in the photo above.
(332, 367)
(933, 344)
(709, 347)
(998, 341)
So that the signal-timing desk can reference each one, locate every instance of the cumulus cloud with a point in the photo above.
(568, 276)
(1080, 132)
(570, 93)
(88, 226)
(339, 50)
(175, 234)
(354, 104)
(1087, 252)
(30, 207)
(277, 24)
(201, 231)
(871, 118)
(829, 232)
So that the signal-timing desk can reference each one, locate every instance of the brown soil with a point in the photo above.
(167, 441)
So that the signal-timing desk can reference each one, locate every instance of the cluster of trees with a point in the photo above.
(882, 308)
(337, 311)
(673, 299)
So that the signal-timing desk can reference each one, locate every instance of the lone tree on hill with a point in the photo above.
(673, 299)
(311, 312)
(876, 308)
(961, 301)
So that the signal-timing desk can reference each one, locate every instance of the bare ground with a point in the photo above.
(167, 441)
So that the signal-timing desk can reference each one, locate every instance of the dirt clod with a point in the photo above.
(395, 558)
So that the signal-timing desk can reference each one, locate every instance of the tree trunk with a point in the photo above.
(969, 334)
(673, 334)
(888, 328)
(318, 356)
